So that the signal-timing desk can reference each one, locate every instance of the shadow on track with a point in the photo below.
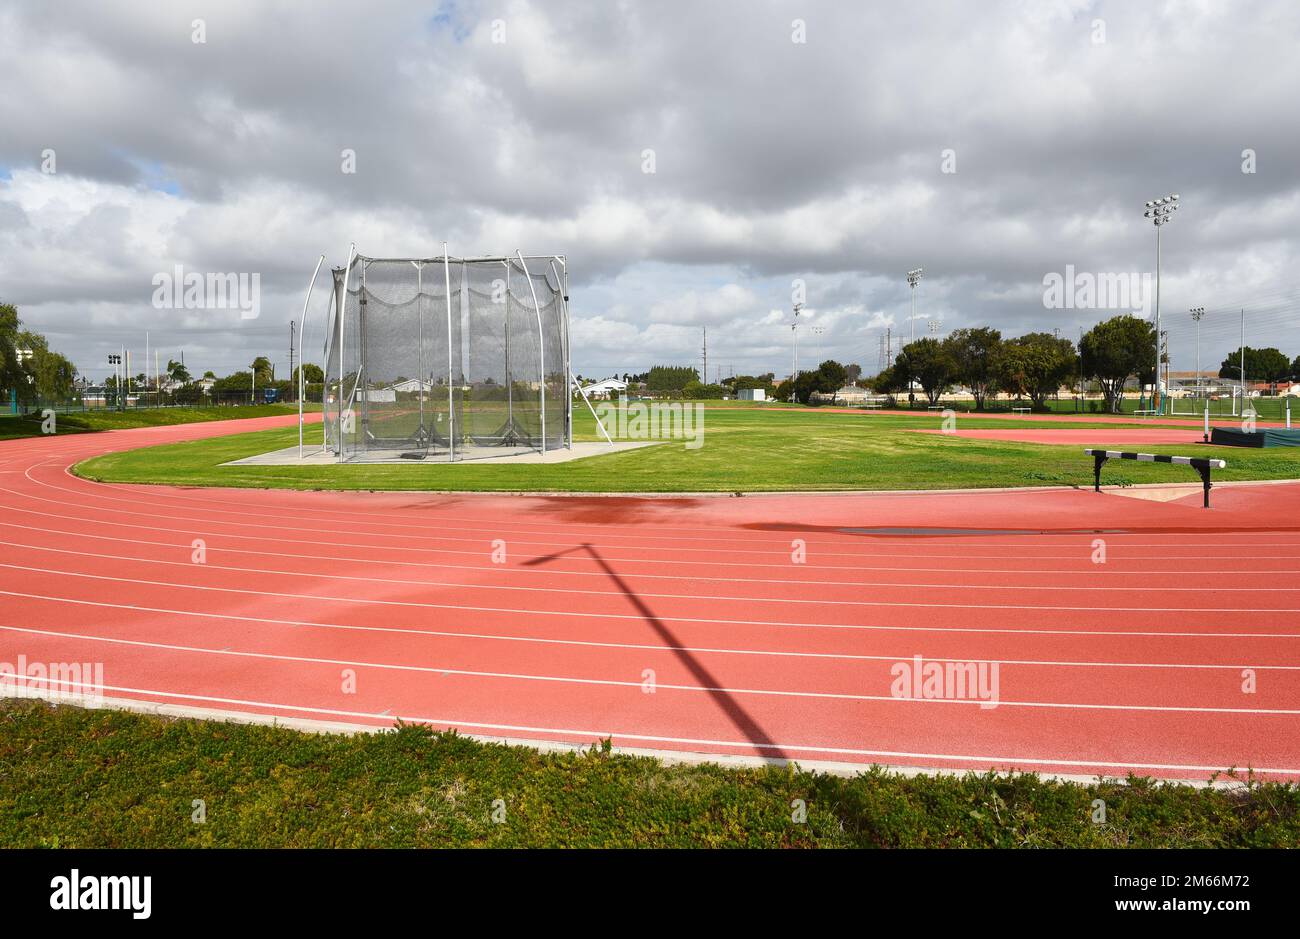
(738, 716)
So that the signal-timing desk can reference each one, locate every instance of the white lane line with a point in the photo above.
(639, 618)
(647, 647)
(723, 531)
(443, 606)
(1082, 556)
(618, 595)
(707, 689)
(586, 734)
(498, 531)
(1095, 570)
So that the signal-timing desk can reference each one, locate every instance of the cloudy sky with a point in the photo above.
(832, 146)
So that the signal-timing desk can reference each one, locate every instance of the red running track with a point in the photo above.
(1135, 664)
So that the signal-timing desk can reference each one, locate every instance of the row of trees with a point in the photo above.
(1037, 365)
(1266, 365)
(1034, 365)
(29, 369)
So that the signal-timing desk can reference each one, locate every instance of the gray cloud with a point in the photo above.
(774, 161)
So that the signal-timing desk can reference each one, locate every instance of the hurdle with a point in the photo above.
(1202, 465)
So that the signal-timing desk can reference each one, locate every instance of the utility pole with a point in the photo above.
(1197, 313)
(1243, 361)
(704, 372)
(1081, 388)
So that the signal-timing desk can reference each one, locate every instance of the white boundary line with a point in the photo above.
(315, 725)
(617, 594)
(1101, 570)
(875, 628)
(638, 647)
(664, 617)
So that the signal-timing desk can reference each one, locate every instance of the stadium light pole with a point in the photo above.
(1160, 211)
(913, 278)
(794, 330)
(1197, 313)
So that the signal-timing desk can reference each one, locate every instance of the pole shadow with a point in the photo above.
(736, 713)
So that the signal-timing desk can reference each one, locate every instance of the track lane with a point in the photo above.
(703, 591)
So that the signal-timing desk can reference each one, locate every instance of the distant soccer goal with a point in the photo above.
(447, 358)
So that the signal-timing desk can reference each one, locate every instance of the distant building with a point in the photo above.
(751, 394)
(848, 395)
(605, 388)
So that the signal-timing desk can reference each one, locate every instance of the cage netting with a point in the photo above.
(450, 360)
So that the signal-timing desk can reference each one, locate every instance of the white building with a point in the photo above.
(606, 388)
(751, 394)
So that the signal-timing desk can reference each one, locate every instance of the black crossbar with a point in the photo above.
(1202, 465)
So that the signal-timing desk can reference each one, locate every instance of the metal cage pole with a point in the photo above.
(331, 323)
(363, 328)
(510, 385)
(562, 280)
(541, 342)
(419, 321)
(302, 344)
(451, 406)
(343, 309)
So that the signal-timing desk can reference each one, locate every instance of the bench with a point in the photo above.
(1202, 465)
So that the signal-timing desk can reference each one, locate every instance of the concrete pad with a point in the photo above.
(315, 456)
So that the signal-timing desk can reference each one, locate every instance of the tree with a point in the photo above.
(975, 353)
(670, 377)
(852, 373)
(831, 377)
(11, 373)
(696, 390)
(311, 374)
(929, 363)
(47, 373)
(189, 393)
(1268, 365)
(239, 381)
(263, 369)
(177, 372)
(1116, 350)
(1036, 365)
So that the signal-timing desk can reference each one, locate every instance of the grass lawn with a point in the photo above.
(745, 448)
(104, 779)
(80, 422)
